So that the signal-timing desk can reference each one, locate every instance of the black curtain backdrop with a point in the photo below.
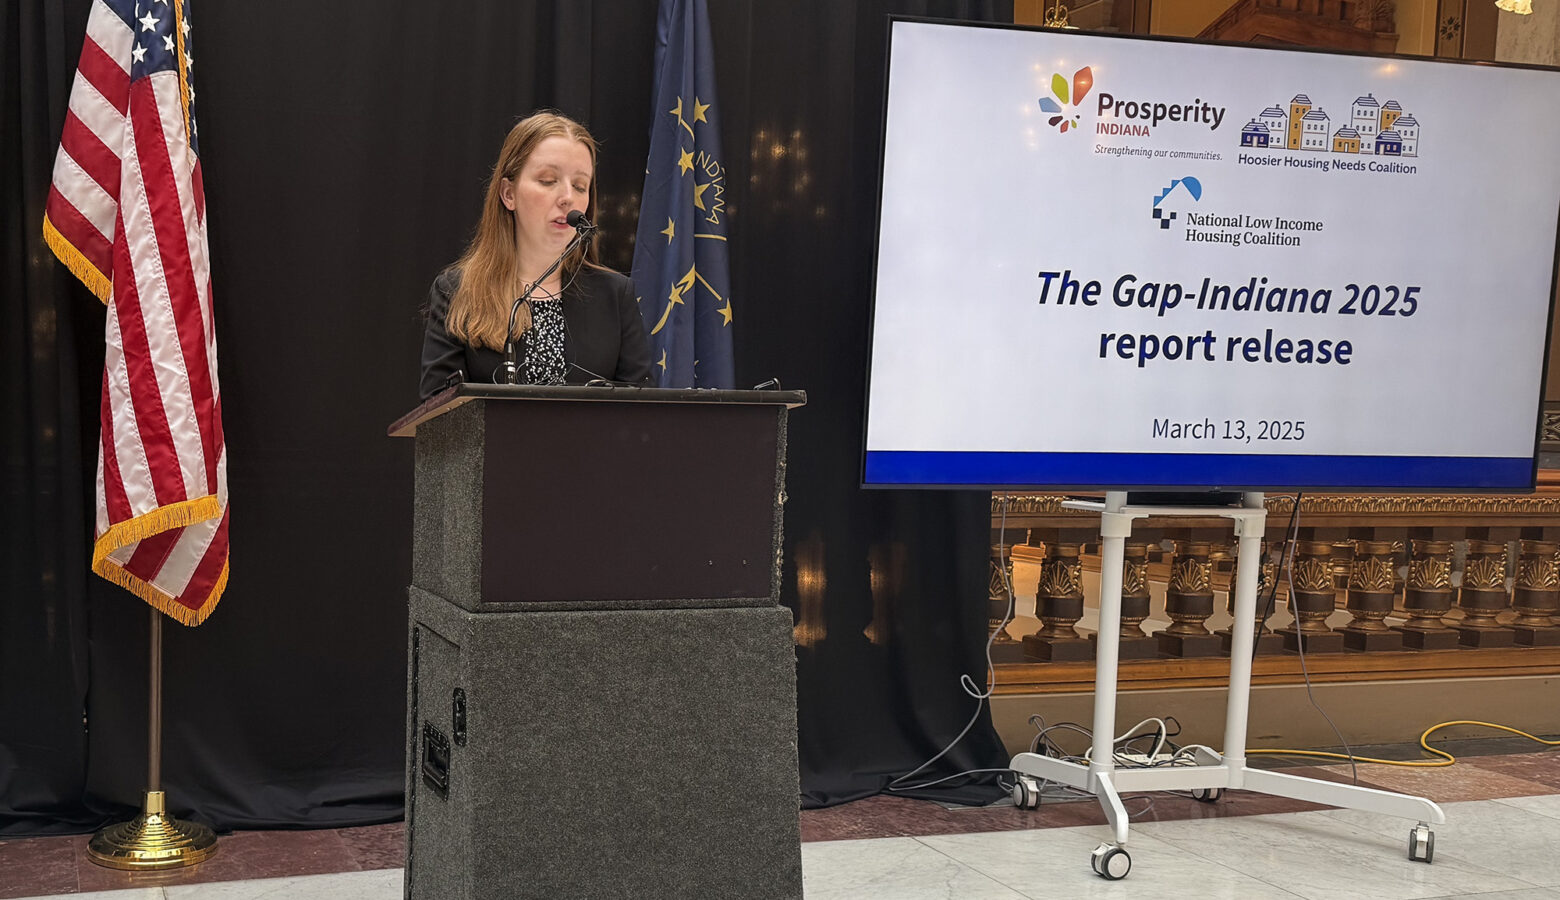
(346, 148)
(51, 339)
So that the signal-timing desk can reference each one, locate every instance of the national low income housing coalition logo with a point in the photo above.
(1233, 228)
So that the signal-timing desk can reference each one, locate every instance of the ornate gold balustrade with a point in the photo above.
(1386, 587)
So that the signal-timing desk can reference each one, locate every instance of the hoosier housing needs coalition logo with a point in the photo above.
(1382, 130)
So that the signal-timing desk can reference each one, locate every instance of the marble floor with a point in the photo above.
(1501, 842)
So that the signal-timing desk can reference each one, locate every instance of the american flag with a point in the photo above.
(126, 214)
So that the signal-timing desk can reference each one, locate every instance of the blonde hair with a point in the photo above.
(489, 269)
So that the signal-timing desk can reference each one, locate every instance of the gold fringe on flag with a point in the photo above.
(174, 515)
(164, 518)
(163, 603)
(184, 76)
(96, 281)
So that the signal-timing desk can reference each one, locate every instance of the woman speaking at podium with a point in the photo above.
(527, 302)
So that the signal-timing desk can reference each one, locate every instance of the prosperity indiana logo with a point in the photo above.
(1063, 105)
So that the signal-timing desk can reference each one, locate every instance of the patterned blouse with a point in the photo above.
(544, 360)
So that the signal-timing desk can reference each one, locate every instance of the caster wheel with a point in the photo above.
(1421, 844)
(1207, 795)
(1110, 862)
(1026, 792)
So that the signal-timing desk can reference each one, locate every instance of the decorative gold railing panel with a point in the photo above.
(1384, 587)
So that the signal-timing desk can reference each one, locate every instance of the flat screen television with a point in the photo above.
(1144, 263)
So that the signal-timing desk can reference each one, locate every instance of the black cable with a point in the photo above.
(1267, 612)
(968, 683)
(1354, 771)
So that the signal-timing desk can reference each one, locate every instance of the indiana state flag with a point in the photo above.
(680, 273)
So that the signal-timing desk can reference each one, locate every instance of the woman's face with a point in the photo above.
(555, 179)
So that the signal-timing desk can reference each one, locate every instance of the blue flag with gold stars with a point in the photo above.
(680, 272)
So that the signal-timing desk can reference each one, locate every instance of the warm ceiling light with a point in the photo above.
(1520, 7)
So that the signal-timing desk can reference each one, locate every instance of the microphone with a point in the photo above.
(583, 227)
(582, 231)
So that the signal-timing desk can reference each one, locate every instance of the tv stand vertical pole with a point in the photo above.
(1114, 529)
(1242, 635)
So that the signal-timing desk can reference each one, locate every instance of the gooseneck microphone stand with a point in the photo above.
(583, 229)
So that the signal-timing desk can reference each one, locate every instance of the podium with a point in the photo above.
(601, 687)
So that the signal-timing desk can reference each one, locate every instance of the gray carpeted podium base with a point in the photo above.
(601, 754)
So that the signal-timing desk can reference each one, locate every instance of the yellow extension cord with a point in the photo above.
(1445, 760)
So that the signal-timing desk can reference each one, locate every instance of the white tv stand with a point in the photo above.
(1214, 772)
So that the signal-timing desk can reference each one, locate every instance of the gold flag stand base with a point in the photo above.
(152, 840)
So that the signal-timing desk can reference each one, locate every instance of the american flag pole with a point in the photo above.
(126, 214)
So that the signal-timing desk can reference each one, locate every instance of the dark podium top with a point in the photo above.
(533, 497)
(461, 394)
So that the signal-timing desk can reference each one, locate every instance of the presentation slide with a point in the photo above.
(1110, 261)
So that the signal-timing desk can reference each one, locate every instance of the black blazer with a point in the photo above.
(603, 335)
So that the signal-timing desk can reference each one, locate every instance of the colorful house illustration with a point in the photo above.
(1372, 127)
(1407, 128)
(1366, 120)
(1390, 113)
(1298, 107)
(1314, 129)
(1277, 124)
(1255, 134)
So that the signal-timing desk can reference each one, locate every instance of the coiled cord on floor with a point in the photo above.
(1424, 741)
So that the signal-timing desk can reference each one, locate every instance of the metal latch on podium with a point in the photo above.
(436, 759)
